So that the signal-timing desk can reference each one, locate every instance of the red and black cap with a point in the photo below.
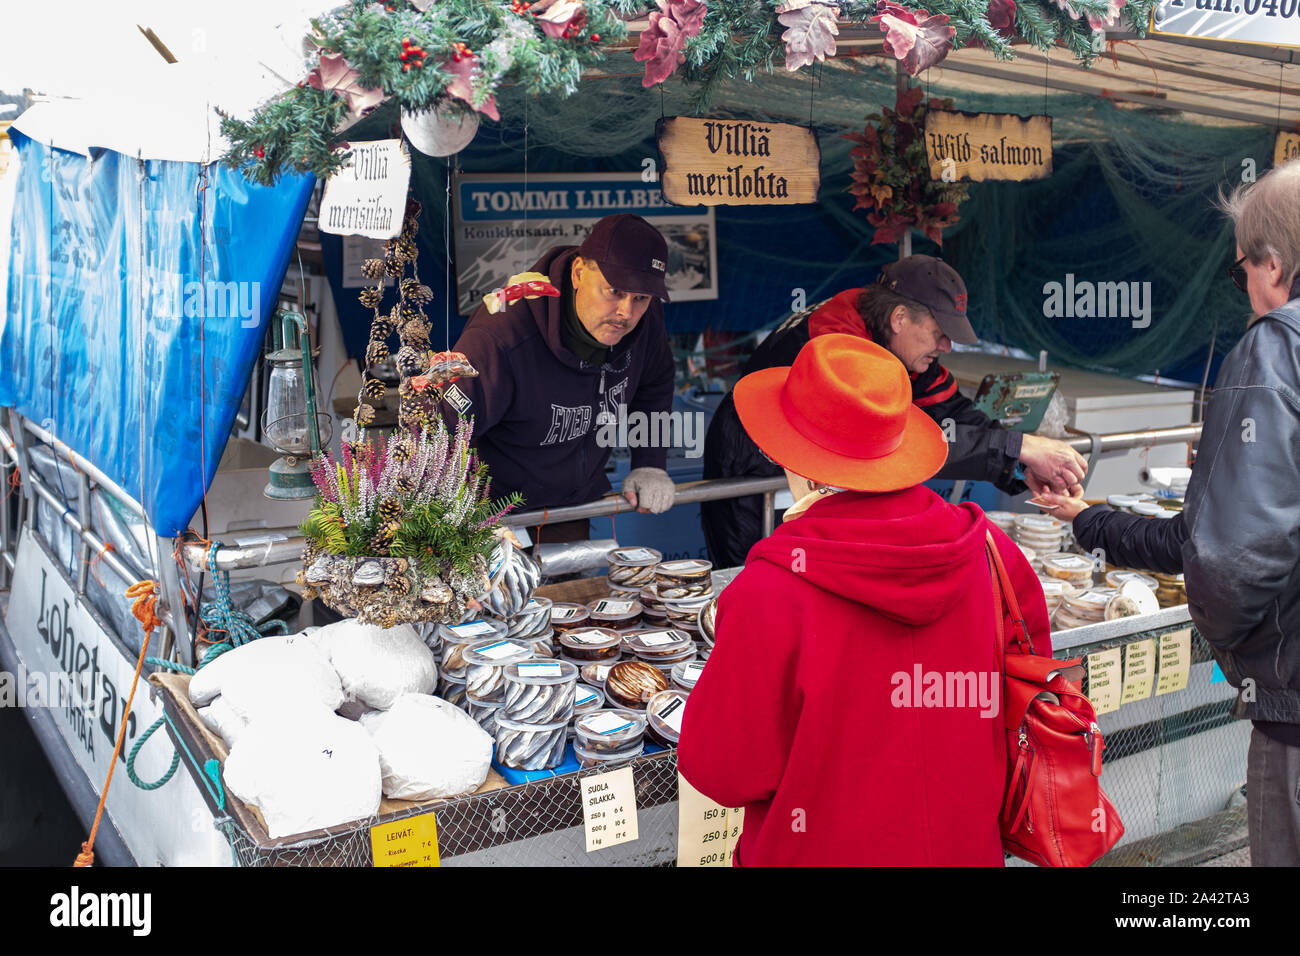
(631, 253)
(938, 287)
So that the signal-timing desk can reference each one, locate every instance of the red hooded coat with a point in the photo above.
(817, 711)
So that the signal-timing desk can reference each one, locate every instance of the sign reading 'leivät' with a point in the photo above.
(988, 146)
(738, 163)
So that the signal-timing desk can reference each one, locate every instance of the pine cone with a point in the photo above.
(373, 268)
(401, 450)
(409, 310)
(374, 390)
(364, 415)
(408, 287)
(416, 334)
(384, 537)
(381, 328)
(393, 265)
(389, 511)
(376, 352)
(406, 250)
(371, 295)
(410, 361)
(422, 295)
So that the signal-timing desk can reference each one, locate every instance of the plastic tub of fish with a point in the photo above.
(664, 716)
(649, 597)
(685, 613)
(591, 644)
(1122, 502)
(610, 731)
(683, 579)
(666, 664)
(456, 637)
(615, 613)
(566, 616)
(543, 645)
(1146, 509)
(708, 620)
(632, 567)
(686, 673)
(485, 714)
(586, 699)
(595, 672)
(533, 619)
(514, 576)
(540, 692)
(605, 760)
(531, 746)
(487, 662)
(1074, 568)
(452, 691)
(653, 645)
(1003, 519)
(632, 683)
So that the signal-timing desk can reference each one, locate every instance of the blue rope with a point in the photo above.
(130, 760)
(221, 615)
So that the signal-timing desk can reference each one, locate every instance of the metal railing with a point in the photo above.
(275, 552)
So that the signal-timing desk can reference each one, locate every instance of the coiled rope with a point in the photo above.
(222, 617)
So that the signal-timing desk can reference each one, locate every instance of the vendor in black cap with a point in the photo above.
(553, 369)
(917, 310)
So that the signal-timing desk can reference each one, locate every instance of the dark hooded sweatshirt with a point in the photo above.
(810, 714)
(535, 403)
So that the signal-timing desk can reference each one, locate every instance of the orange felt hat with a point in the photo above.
(842, 415)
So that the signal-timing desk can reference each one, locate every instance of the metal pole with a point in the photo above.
(83, 498)
(101, 479)
(769, 512)
(901, 86)
(174, 599)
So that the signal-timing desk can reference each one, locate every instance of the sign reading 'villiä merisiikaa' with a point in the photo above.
(737, 163)
(1274, 22)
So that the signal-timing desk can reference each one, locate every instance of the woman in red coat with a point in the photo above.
(852, 704)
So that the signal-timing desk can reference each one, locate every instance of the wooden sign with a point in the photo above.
(1286, 147)
(737, 162)
(367, 197)
(978, 147)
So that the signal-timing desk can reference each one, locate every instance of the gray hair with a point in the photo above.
(1266, 216)
(876, 304)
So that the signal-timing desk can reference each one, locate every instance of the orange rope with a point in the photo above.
(146, 600)
(94, 572)
(15, 482)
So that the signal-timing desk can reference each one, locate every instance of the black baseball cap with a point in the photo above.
(938, 287)
(631, 253)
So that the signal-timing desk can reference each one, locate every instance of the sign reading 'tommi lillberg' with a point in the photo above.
(737, 162)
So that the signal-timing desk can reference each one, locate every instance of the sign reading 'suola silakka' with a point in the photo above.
(737, 162)
(978, 147)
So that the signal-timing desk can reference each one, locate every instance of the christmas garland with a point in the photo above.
(453, 55)
(891, 176)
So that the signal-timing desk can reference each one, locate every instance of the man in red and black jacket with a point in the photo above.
(916, 309)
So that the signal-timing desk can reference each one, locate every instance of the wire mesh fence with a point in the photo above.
(1175, 769)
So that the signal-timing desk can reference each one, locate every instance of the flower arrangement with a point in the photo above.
(401, 530)
(891, 175)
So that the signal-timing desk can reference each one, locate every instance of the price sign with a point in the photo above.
(409, 842)
(707, 833)
(1175, 661)
(609, 809)
(1104, 680)
(1139, 670)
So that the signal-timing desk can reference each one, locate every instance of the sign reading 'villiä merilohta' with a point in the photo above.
(737, 163)
(1274, 22)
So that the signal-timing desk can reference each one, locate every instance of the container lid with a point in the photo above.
(634, 557)
(624, 594)
(614, 609)
(568, 614)
(587, 697)
(658, 642)
(545, 637)
(1117, 579)
(504, 723)
(1122, 501)
(590, 638)
(688, 672)
(1165, 514)
(471, 631)
(690, 566)
(1003, 519)
(595, 672)
(535, 605)
(1093, 601)
(497, 652)
(611, 726)
(685, 605)
(544, 672)
(1041, 524)
(1146, 509)
(1066, 562)
(664, 713)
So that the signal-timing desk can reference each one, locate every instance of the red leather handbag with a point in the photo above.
(1055, 812)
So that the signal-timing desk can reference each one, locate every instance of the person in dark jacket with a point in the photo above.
(811, 713)
(917, 309)
(1240, 552)
(554, 369)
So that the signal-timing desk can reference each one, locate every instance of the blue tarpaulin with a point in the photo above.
(139, 292)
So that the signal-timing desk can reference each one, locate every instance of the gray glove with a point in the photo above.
(651, 487)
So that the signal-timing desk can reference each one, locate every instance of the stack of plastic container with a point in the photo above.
(537, 705)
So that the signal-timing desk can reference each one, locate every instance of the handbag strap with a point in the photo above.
(1002, 583)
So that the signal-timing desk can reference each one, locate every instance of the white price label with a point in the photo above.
(609, 809)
